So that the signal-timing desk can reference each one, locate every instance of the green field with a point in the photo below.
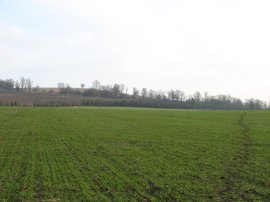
(125, 154)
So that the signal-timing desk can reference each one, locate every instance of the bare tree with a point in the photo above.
(197, 96)
(116, 90)
(11, 83)
(181, 96)
(126, 90)
(122, 88)
(152, 94)
(61, 87)
(135, 92)
(171, 95)
(206, 96)
(161, 95)
(22, 83)
(17, 85)
(7, 84)
(82, 85)
(28, 84)
(144, 93)
(105, 87)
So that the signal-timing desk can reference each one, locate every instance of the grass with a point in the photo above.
(125, 154)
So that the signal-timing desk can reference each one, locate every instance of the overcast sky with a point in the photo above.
(219, 46)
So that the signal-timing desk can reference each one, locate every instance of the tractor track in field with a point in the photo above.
(231, 180)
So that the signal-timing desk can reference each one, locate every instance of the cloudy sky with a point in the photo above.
(219, 46)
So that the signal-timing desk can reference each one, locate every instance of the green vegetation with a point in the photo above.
(125, 154)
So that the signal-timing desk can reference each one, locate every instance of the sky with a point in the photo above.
(218, 46)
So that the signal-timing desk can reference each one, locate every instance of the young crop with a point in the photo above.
(123, 154)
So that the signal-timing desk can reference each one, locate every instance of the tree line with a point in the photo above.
(23, 84)
(172, 98)
(119, 95)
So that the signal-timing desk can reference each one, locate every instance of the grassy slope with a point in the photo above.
(124, 154)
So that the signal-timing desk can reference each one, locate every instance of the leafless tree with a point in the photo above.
(182, 96)
(161, 95)
(197, 96)
(144, 93)
(152, 94)
(28, 84)
(135, 92)
(17, 85)
(22, 83)
(116, 90)
(206, 96)
(7, 84)
(61, 86)
(126, 90)
(105, 87)
(172, 95)
(122, 88)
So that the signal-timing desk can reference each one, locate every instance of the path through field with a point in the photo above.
(232, 178)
